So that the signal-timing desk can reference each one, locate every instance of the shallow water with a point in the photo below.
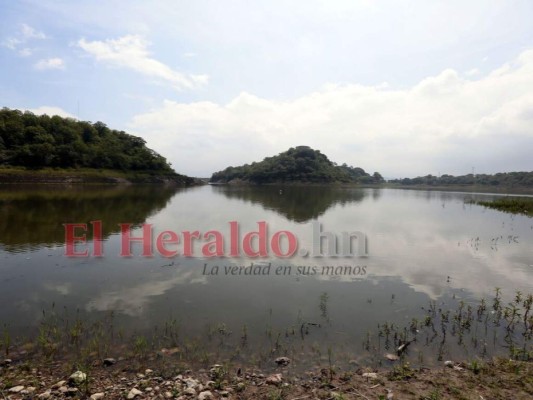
(423, 246)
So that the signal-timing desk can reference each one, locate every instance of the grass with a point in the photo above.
(510, 205)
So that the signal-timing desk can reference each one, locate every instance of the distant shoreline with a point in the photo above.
(518, 190)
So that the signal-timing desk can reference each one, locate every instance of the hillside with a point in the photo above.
(32, 142)
(299, 164)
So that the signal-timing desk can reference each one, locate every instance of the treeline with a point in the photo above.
(506, 179)
(299, 164)
(35, 141)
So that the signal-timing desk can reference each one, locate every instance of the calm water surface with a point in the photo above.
(425, 247)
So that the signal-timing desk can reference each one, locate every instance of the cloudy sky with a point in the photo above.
(405, 88)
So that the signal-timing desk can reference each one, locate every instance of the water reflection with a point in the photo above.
(32, 218)
(423, 246)
(299, 204)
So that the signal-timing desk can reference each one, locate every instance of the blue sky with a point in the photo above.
(401, 87)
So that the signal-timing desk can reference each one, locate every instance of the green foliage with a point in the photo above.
(506, 179)
(298, 164)
(36, 142)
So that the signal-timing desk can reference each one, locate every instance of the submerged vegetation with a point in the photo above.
(299, 164)
(395, 357)
(511, 205)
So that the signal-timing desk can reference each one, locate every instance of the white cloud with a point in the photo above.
(50, 63)
(131, 52)
(30, 33)
(50, 110)
(446, 123)
(25, 34)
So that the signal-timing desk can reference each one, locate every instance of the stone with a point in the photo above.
(449, 363)
(207, 395)
(45, 395)
(168, 395)
(149, 371)
(59, 384)
(191, 383)
(189, 392)
(282, 361)
(134, 393)
(109, 362)
(391, 357)
(370, 375)
(97, 396)
(16, 389)
(78, 377)
(274, 379)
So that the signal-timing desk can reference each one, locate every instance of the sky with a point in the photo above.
(406, 88)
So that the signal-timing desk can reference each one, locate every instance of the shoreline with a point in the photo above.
(164, 376)
(10, 176)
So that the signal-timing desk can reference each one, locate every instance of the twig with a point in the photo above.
(360, 394)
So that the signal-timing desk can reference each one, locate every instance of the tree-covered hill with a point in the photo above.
(32, 141)
(299, 164)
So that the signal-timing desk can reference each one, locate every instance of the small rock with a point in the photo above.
(141, 376)
(6, 362)
(109, 362)
(191, 383)
(16, 389)
(370, 375)
(59, 384)
(168, 395)
(149, 389)
(72, 391)
(149, 371)
(283, 361)
(97, 396)
(207, 395)
(449, 364)
(78, 377)
(30, 389)
(224, 393)
(134, 393)
(274, 379)
(63, 389)
(45, 395)
(240, 386)
(189, 392)
(391, 357)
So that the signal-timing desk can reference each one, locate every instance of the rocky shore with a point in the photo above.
(120, 379)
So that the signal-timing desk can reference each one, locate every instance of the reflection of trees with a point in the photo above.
(297, 203)
(30, 218)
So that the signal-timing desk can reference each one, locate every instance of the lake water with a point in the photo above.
(427, 251)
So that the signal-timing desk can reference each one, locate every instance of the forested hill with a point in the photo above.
(33, 141)
(299, 164)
